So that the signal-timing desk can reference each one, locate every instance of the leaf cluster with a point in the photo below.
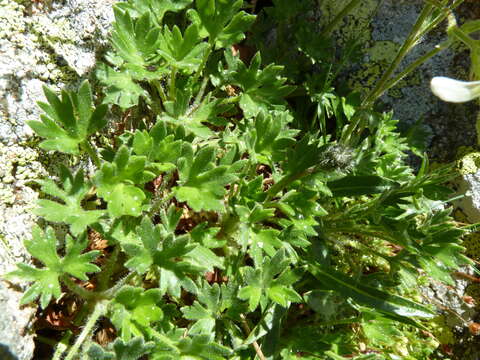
(234, 226)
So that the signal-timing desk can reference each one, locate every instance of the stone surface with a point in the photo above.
(41, 43)
(450, 125)
(16, 342)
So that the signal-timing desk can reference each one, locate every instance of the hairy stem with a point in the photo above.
(99, 310)
(76, 289)
(285, 181)
(410, 68)
(206, 55)
(88, 148)
(107, 271)
(62, 346)
(173, 89)
(160, 90)
(199, 97)
(110, 293)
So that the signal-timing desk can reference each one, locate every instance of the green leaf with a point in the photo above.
(216, 300)
(142, 256)
(130, 350)
(264, 281)
(202, 184)
(259, 239)
(161, 148)
(262, 89)
(304, 155)
(116, 182)
(160, 249)
(268, 137)
(182, 52)
(72, 195)
(199, 347)
(222, 21)
(121, 89)
(360, 185)
(369, 296)
(133, 309)
(69, 120)
(43, 247)
(157, 8)
(180, 112)
(135, 40)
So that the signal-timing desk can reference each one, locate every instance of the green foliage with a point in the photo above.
(69, 120)
(182, 52)
(165, 258)
(130, 350)
(241, 210)
(134, 309)
(264, 281)
(43, 246)
(262, 89)
(221, 20)
(202, 183)
(116, 182)
(71, 211)
(158, 8)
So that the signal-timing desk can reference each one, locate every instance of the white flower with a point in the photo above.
(455, 91)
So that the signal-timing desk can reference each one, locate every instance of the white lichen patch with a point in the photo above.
(55, 47)
(19, 166)
(468, 183)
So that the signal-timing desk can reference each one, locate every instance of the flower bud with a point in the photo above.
(455, 91)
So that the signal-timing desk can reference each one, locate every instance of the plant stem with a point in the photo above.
(211, 44)
(441, 17)
(410, 68)
(99, 310)
(107, 271)
(443, 46)
(91, 152)
(407, 45)
(80, 291)
(199, 97)
(110, 293)
(173, 89)
(288, 179)
(62, 346)
(160, 90)
(349, 7)
(247, 330)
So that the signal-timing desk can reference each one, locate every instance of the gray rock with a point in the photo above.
(16, 341)
(469, 184)
(451, 125)
(40, 44)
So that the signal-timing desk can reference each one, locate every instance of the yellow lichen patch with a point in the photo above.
(383, 51)
(468, 160)
(365, 78)
(356, 25)
(471, 242)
